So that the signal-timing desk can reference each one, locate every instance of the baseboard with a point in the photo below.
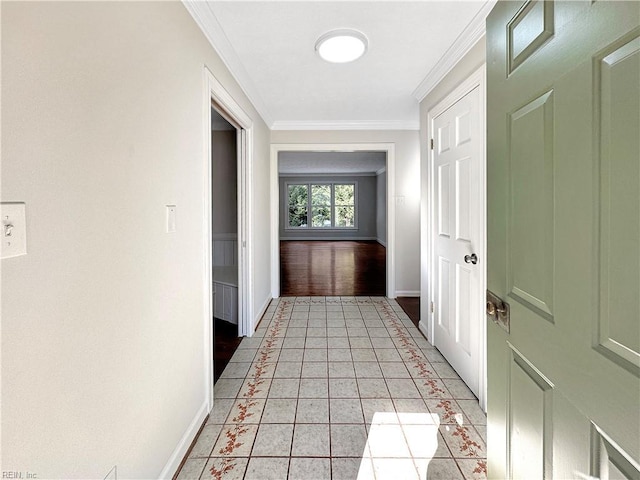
(407, 293)
(181, 449)
(327, 239)
(422, 326)
(261, 311)
(384, 244)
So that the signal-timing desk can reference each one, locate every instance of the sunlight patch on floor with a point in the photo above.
(399, 445)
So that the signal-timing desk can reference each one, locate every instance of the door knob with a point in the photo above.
(473, 258)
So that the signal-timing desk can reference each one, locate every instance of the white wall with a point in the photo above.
(407, 228)
(474, 58)
(102, 322)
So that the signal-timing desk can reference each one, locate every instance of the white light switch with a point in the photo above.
(14, 230)
(399, 199)
(171, 218)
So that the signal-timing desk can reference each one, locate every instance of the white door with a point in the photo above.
(457, 228)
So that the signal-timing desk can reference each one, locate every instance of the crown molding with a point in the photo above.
(320, 175)
(473, 32)
(212, 30)
(347, 125)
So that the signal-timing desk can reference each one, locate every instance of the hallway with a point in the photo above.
(321, 383)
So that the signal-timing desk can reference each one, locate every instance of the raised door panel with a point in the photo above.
(608, 460)
(531, 27)
(444, 294)
(530, 427)
(463, 128)
(531, 218)
(464, 293)
(444, 200)
(617, 331)
(463, 199)
(444, 138)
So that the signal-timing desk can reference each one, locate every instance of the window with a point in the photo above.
(321, 205)
(344, 204)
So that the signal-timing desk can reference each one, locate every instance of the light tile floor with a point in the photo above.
(339, 388)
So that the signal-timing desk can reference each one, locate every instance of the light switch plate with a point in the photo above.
(113, 474)
(171, 218)
(14, 230)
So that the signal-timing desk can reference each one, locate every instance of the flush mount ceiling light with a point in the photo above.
(342, 46)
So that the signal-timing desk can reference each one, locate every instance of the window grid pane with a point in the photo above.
(321, 206)
(345, 216)
(321, 217)
(345, 205)
(345, 194)
(298, 204)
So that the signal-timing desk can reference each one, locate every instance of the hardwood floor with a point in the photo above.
(411, 306)
(332, 268)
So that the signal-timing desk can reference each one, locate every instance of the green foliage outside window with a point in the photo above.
(321, 206)
(345, 205)
(330, 205)
(298, 205)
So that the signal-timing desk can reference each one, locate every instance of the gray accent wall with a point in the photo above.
(366, 216)
(224, 182)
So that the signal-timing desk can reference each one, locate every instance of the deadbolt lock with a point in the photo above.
(498, 311)
(492, 309)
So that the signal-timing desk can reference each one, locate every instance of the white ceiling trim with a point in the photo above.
(211, 28)
(347, 125)
(467, 39)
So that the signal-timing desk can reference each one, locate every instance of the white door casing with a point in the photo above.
(215, 93)
(388, 148)
(458, 231)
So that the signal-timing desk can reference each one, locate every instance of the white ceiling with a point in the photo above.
(310, 163)
(269, 48)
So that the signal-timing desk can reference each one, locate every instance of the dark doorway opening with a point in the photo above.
(333, 223)
(224, 214)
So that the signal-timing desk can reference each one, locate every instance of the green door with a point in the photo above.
(563, 236)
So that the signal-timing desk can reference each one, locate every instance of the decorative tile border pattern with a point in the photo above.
(469, 443)
(245, 406)
(232, 451)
